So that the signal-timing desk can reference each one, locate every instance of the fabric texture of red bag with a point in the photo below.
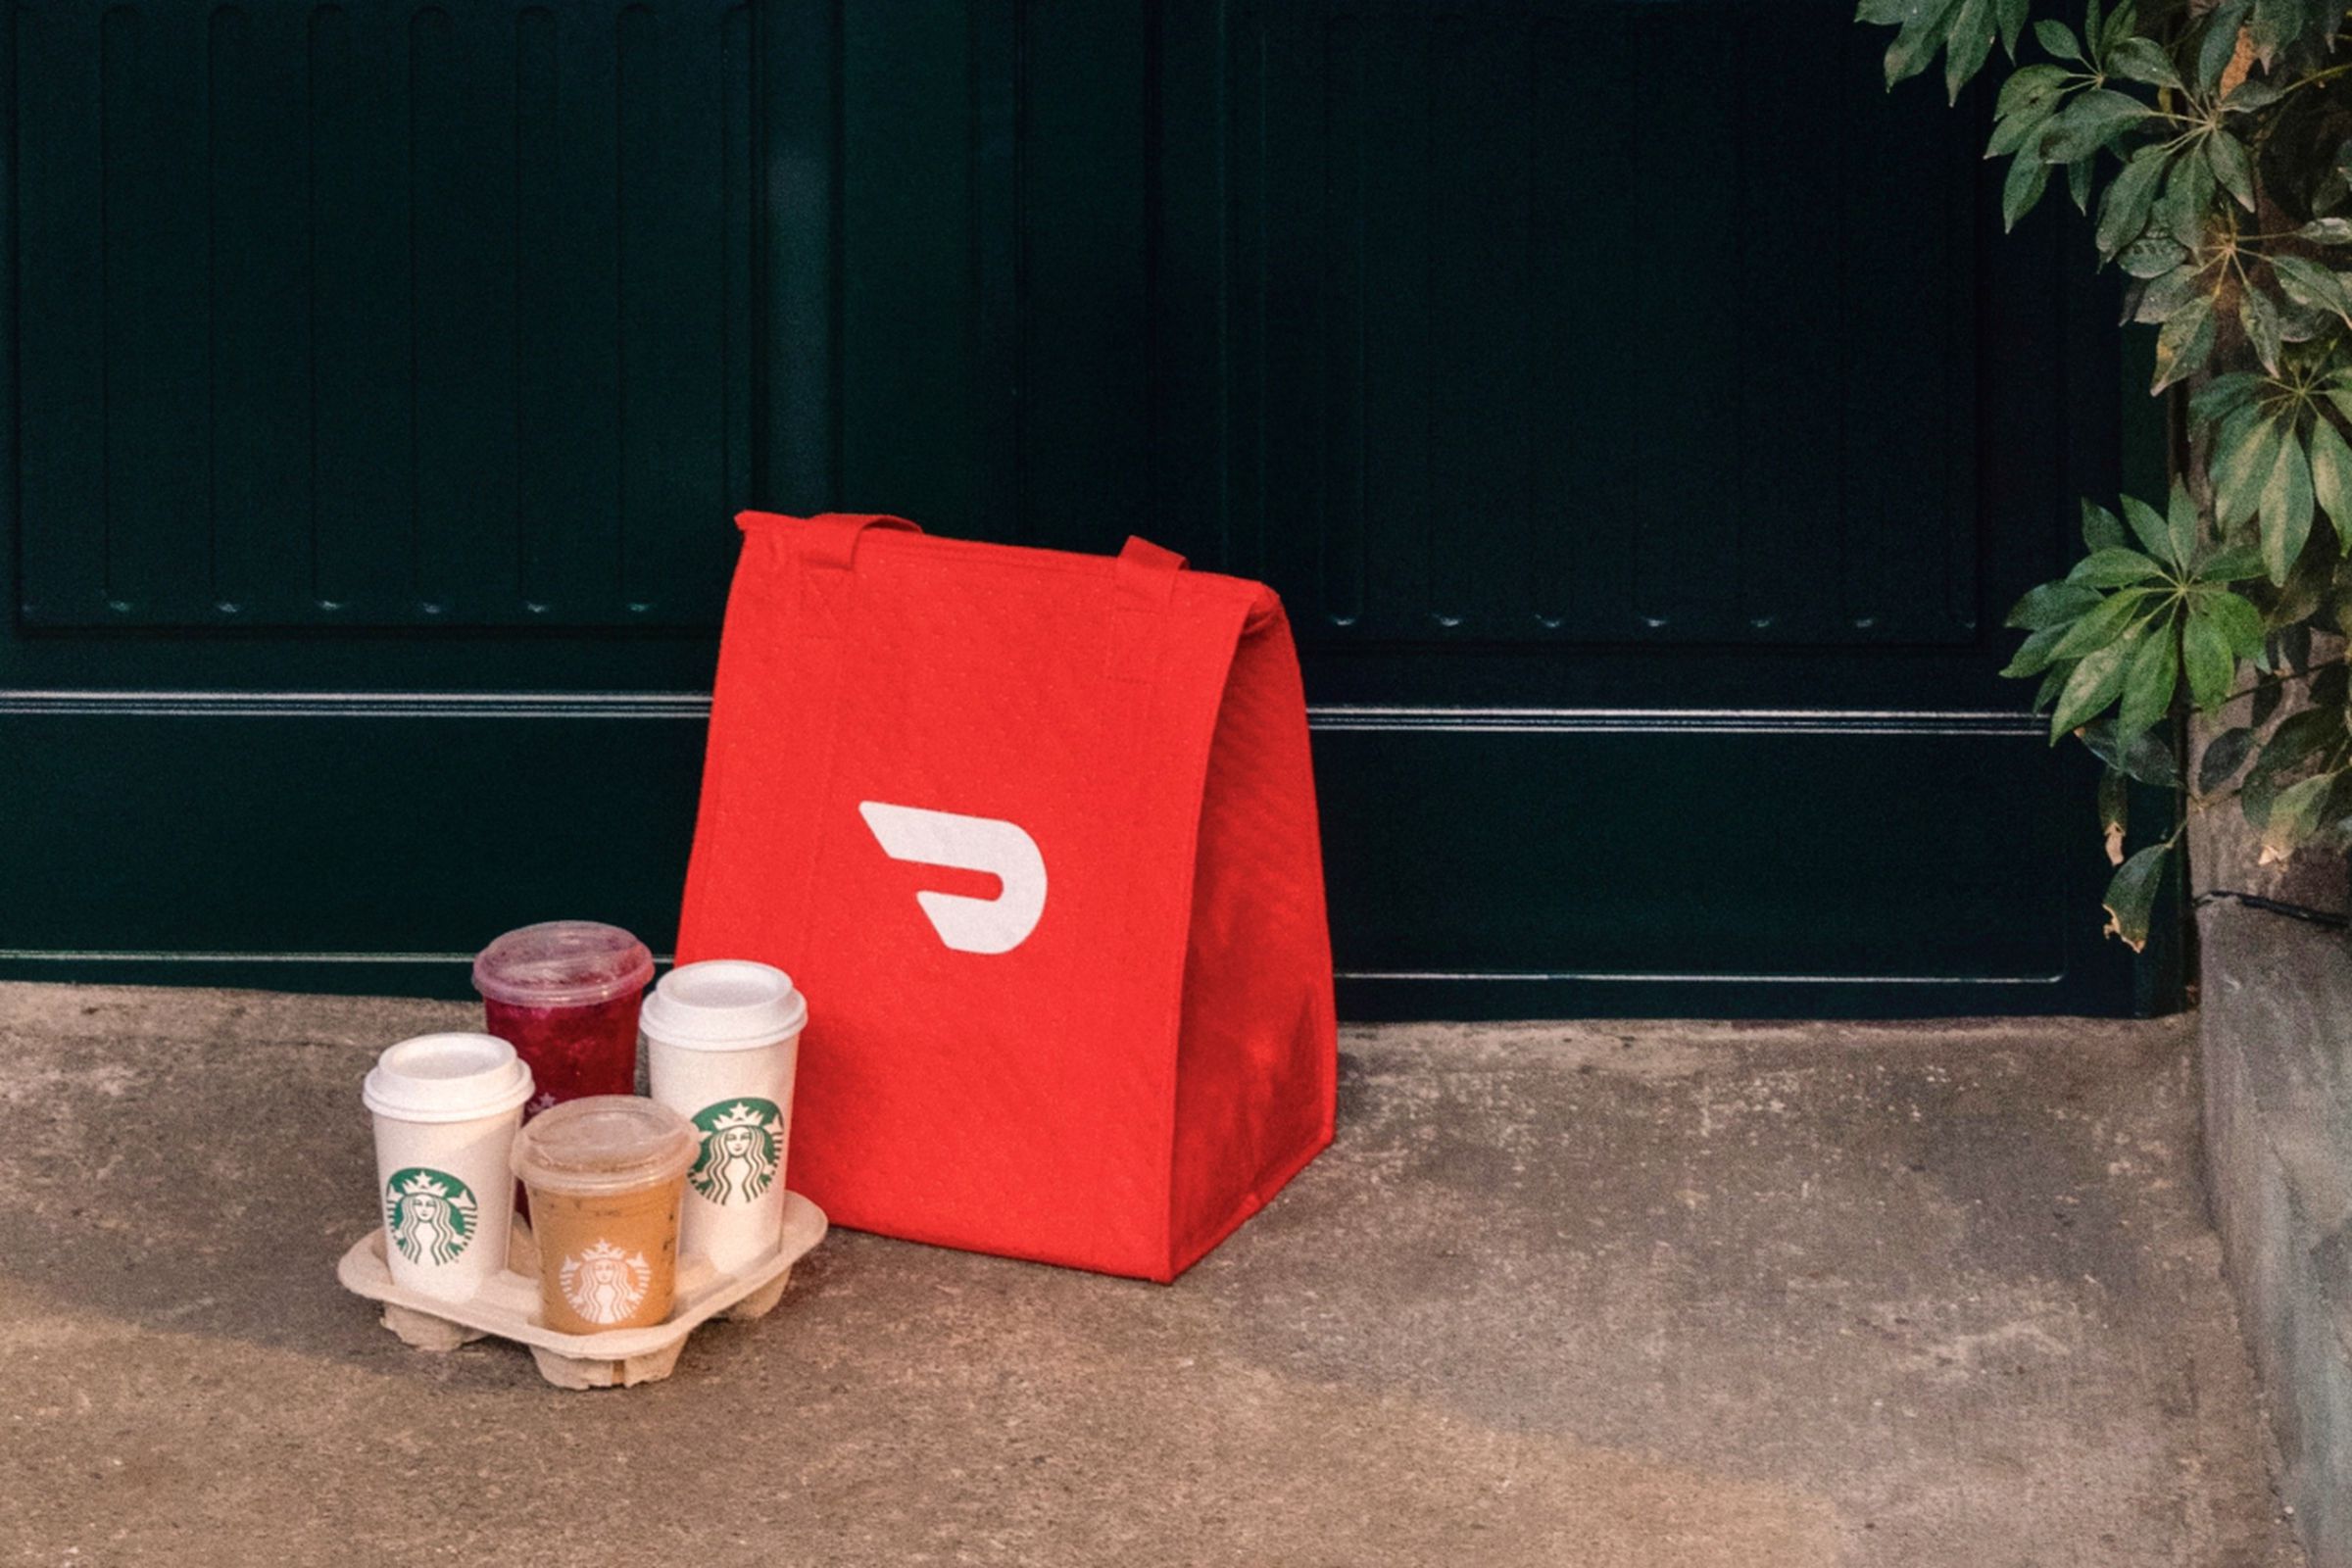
(1036, 834)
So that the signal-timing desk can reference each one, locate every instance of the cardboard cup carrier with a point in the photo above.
(606, 1175)
(446, 1107)
(601, 1294)
(722, 1040)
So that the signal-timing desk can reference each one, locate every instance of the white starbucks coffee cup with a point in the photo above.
(446, 1107)
(722, 1039)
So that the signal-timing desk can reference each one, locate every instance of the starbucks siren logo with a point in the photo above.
(429, 1214)
(739, 1150)
(603, 1284)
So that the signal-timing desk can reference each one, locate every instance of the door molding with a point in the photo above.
(1334, 717)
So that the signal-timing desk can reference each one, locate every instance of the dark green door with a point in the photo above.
(1646, 447)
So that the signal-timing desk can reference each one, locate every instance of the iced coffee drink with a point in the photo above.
(607, 1175)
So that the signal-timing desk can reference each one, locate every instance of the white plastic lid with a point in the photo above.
(435, 1078)
(724, 1005)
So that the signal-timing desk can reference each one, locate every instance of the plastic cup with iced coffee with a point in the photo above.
(722, 1039)
(566, 993)
(605, 1176)
(446, 1107)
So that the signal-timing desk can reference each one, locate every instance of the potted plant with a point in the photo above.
(2210, 141)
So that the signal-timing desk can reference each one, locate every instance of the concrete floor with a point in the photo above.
(1651, 1295)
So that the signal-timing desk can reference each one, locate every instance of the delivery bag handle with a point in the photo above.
(830, 538)
(1146, 573)
(827, 547)
(1143, 582)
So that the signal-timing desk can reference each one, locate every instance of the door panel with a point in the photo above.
(1645, 448)
(371, 315)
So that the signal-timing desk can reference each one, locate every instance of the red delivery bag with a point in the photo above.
(1035, 833)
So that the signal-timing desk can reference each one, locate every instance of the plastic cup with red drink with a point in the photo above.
(565, 994)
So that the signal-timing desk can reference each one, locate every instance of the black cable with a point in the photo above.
(2255, 901)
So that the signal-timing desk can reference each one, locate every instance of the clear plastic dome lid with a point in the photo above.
(563, 963)
(604, 1143)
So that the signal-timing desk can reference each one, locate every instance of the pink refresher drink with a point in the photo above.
(573, 1052)
(565, 994)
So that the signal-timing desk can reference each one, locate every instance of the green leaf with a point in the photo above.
(2308, 282)
(2300, 736)
(2117, 568)
(2326, 230)
(2101, 37)
(2299, 324)
(2205, 652)
(2238, 621)
(2115, 810)
(2131, 897)
(2331, 475)
(2244, 451)
(2058, 38)
(2139, 59)
(2101, 528)
(2089, 121)
(2276, 24)
(2032, 656)
(2078, 185)
(2124, 210)
(2286, 509)
(2185, 343)
(2218, 43)
(2222, 395)
(2096, 681)
(2151, 256)
(2251, 94)
(2149, 526)
(2224, 755)
(2012, 17)
(1924, 32)
(2231, 167)
(2102, 624)
(2148, 760)
(2031, 87)
(2165, 297)
(2254, 796)
(2180, 524)
(2260, 319)
(2121, 23)
(2294, 814)
(1966, 45)
(2265, 703)
(2054, 604)
(2014, 133)
(2027, 179)
(2148, 682)
(2186, 205)
(2235, 563)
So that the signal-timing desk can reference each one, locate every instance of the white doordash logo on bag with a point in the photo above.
(968, 844)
